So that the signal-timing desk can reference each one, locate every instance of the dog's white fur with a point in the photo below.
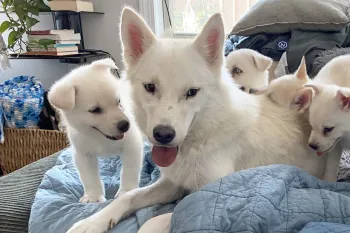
(288, 91)
(220, 130)
(75, 95)
(329, 107)
(249, 69)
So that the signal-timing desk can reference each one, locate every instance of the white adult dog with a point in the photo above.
(249, 69)
(89, 101)
(201, 126)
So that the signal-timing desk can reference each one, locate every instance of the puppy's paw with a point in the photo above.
(92, 225)
(92, 198)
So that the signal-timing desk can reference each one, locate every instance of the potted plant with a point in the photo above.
(21, 17)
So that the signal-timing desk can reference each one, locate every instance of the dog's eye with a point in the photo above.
(192, 92)
(242, 88)
(327, 130)
(236, 70)
(150, 87)
(252, 91)
(96, 110)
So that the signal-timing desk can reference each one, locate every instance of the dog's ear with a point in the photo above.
(302, 100)
(210, 41)
(105, 63)
(136, 36)
(261, 62)
(301, 72)
(62, 96)
(343, 100)
(317, 88)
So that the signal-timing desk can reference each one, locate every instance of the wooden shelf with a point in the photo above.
(83, 12)
(72, 59)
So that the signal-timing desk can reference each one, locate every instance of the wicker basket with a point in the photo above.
(24, 146)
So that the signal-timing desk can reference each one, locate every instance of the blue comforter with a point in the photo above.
(275, 198)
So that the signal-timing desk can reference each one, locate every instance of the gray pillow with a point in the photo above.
(280, 16)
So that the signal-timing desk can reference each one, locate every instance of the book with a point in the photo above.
(71, 6)
(55, 49)
(51, 53)
(74, 0)
(64, 42)
(51, 32)
(63, 37)
(52, 46)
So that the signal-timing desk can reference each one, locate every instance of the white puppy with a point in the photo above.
(201, 126)
(329, 110)
(288, 91)
(249, 69)
(88, 99)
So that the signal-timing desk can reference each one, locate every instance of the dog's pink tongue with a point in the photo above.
(320, 153)
(164, 156)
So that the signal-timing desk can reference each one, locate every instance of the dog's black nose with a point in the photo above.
(123, 126)
(313, 146)
(164, 134)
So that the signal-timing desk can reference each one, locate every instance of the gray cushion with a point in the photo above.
(17, 192)
(280, 16)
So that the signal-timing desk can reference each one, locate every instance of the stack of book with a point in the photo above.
(65, 42)
(71, 5)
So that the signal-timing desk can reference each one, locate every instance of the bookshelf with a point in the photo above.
(68, 20)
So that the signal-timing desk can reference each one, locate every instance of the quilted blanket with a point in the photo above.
(56, 205)
(277, 198)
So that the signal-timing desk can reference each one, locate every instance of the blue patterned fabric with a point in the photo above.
(21, 101)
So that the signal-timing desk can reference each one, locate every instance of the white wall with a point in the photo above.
(100, 32)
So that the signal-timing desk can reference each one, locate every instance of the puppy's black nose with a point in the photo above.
(164, 134)
(313, 146)
(123, 126)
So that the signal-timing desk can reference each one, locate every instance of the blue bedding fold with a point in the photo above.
(56, 205)
(277, 198)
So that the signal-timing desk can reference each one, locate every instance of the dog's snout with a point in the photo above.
(313, 146)
(164, 134)
(123, 126)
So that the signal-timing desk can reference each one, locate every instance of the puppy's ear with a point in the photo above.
(301, 72)
(317, 88)
(302, 100)
(343, 100)
(105, 63)
(136, 36)
(210, 41)
(261, 62)
(62, 96)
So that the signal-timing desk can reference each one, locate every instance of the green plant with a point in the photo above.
(20, 20)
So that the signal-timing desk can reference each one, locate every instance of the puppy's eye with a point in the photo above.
(150, 87)
(192, 92)
(327, 130)
(236, 70)
(96, 110)
(118, 102)
(252, 91)
(242, 88)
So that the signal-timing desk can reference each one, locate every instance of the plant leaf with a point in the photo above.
(31, 21)
(4, 26)
(34, 10)
(42, 6)
(12, 38)
(46, 42)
